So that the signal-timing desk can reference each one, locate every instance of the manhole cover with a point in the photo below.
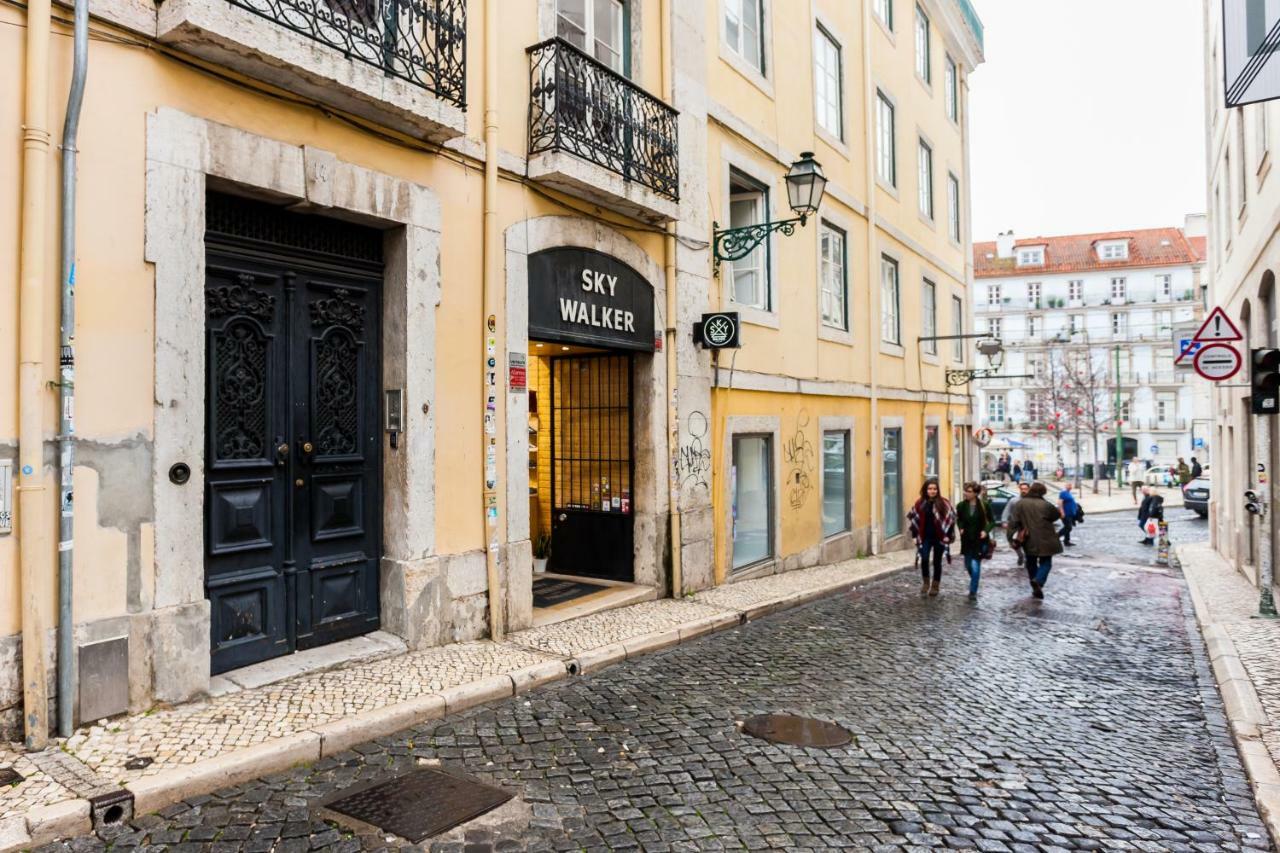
(797, 731)
(418, 805)
(9, 776)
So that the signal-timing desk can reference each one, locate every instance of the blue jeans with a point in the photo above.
(1038, 568)
(973, 566)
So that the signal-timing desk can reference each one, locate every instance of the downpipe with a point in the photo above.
(67, 375)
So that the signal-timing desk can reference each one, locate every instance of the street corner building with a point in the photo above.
(381, 317)
(1090, 325)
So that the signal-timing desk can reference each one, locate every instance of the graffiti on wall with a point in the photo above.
(800, 460)
(693, 459)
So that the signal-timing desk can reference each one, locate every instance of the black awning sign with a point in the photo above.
(586, 297)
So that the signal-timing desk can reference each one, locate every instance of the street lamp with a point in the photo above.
(993, 351)
(805, 186)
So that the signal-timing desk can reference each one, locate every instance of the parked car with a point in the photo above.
(999, 494)
(1161, 475)
(1195, 496)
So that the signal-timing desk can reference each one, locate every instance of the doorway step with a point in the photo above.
(606, 595)
(364, 648)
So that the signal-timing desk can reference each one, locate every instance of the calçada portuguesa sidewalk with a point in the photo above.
(1244, 652)
(170, 755)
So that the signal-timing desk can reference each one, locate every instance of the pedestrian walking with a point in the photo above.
(1150, 514)
(1196, 470)
(1184, 472)
(1023, 488)
(1017, 472)
(1032, 525)
(1071, 514)
(932, 522)
(1137, 474)
(974, 518)
(1029, 472)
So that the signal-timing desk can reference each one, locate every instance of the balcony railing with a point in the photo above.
(421, 41)
(587, 109)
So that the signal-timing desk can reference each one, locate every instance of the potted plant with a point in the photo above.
(541, 552)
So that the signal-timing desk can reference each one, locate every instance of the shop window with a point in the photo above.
(836, 486)
(891, 453)
(931, 451)
(752, 499)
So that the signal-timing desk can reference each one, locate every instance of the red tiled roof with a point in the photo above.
(1079, 253)
(1199, 245)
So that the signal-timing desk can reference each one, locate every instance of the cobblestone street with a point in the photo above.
(1088, 721)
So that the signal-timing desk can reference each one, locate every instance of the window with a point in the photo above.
(837, 488)
(884, 11)
(1036, 408)
(931, 451)
(993, 294)
(1075, 290)
(926, 179)
(1031, 257)
(929, 316)
(1244, 163)
(1166, 409)
(886, 156)
(752, 499)
(1119, 291)
(1035, 364)
(596, 27)
(749, 205)
(1113, 251)
(995, 325)
(957, 328)
(890, 319)
(1119, 325)
(1164, 286)
(1228, 179)
(1123, 365)
(1260, 113)
(891, 455)
(743, 30)
(995, 408)
(1033, 294)
(923, 63)
(828, 98)
(835, 282)
(953, 207)
(1033, 326)
(951, 89)
(1075, 324)
(1164, 322)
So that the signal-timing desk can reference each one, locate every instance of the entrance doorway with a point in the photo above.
(293, 487)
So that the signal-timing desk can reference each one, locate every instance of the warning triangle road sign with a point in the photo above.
(1218, 327)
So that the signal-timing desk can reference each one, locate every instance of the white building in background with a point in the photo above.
(1114, 299)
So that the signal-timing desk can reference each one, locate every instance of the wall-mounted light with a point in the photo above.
(806, 185)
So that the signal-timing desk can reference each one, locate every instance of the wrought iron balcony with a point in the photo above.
(581, 106)
(420, 41)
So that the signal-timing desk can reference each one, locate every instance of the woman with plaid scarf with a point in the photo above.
(933, 524)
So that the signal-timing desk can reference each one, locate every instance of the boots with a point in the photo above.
(924, 587)
(933, 589)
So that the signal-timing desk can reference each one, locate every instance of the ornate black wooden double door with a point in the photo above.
(292, 457)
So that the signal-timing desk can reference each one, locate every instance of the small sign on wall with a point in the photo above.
(517, 373)
(6, 496)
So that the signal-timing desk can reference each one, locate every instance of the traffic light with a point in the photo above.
(1265, 381)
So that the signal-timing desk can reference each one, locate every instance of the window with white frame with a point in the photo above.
(1260, 120)
(1036, 364)
(828, 97)
(1119, 325)
(1166, 409)
(1124, 363)
(995, 408)
(1075, 324)
(1033, 294)
(884, 11)
(1116, 251)
(951, 89)
(1164, 322)
(953, 207)
(1164, 361)
(957, 328)
(1033, 256)
(925, 175)
(744, 30)
(890, 302)
(1119, 291)
(1034, 326)
(994, 294)
(1227, 181)
(924, 63)
(1036, 407)
(995, 325)
(1075, 290)
(1124, 412)
(929, 316)
(1244, 163)
(596, 27)
(886, 136)
(835, 281)
(1164, 286)
(749, 205)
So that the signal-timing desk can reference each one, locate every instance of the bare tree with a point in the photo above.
(1089, 392)
(1049, 387)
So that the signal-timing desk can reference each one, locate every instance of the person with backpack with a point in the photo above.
(1071, 513)
(932, 522)
(974, 518)
(1023, 488)
(1196, 469)
(1032, 526)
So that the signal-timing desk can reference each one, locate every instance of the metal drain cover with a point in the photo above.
(9, 776)
(419, 804)
(797, 731)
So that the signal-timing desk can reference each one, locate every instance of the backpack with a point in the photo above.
(1079, 514)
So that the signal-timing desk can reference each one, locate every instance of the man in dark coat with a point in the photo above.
(1152, 508)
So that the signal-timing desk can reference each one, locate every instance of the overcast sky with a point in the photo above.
(1087, 116)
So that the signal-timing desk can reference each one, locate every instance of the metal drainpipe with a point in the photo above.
(33, 527)
(66, 447)
(492, 298)
(873, 316)
(673, 379)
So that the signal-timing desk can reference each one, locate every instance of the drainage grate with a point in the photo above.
(418, 805)
(797, 731)
(9, 776)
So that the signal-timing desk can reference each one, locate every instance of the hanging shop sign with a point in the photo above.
(720, 330)
(581, 296)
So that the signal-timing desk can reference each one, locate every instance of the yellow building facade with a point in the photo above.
(384, 318)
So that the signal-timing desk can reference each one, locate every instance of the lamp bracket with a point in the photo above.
(733, 244)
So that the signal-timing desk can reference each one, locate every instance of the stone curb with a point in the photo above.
(1244, 711)
(152, 793)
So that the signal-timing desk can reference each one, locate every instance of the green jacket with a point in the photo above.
(973, 522)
